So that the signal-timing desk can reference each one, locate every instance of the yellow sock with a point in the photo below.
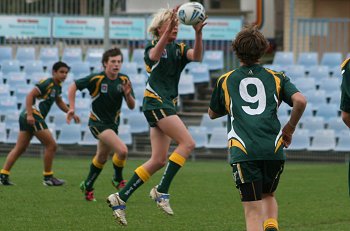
(118, 162)
(271, 224)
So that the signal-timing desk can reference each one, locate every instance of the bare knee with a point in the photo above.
(123, 152)
(189, 145)
(159, 163)
(51, 147)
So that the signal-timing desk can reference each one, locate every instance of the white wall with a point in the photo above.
(269, 15)
(147, 6)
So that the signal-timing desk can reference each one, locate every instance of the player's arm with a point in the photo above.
(61, 105)
(299, 105)
(155, 53)
(71, 99)
(34, 93)
(129, 98)
(196, 53)
(213, 115)
(346, 118)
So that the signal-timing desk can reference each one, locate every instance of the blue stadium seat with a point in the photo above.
(214, 59)
(3, 133)
(94, 55)
(35, 77)
(305, 84)
(312, 123)
(80, 69)
(129, 68)
(295, 72)
(301, 140)
(329, 84)
(284, 110)
(24, 54)
(186, 84)
(343, 144)
(49, 54)
(88, 139)
(124, 133)
(126, 55)
(33, 66)
(318, 72)
(10, 66)
(138, 123)
(218, 139)
(332, 59)
(283, 58)
(308, 58)
(199, 134)
(72, 54)
(337, 124)
(200, 72)
(316, 96)
(138, 57)
(5, 53)
(12, 136)
(335, 97)
(69, 134)
(210, 124)
(323, 140)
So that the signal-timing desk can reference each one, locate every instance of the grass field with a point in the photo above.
(312, 197)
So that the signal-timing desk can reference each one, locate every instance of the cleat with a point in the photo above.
(118, 206)
(5, 180)
(53, 181)
(162, 200)
(119, 185)
(89, 194)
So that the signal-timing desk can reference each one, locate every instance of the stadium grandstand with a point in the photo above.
(309, 41)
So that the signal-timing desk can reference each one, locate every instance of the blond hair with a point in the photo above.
(158, 20)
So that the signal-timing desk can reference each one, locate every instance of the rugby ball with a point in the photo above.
(191, 13)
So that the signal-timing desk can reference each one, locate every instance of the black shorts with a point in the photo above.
(153, 116)
(254, 178)
(96, 129)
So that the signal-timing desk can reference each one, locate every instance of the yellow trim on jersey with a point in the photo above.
(236, 143)
(96, 163)
(182, 48)
(92, 117)
(345, 62)
(48, 173)
(118, 162)
(224, 88)
(36, 112)
(277, 81)
(123, 78)
(177, 158)
(142, 173)
(279, 143)
(98, 84)
(3, 171)
(152, 95)
(148, 68)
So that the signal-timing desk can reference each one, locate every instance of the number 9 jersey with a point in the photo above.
(251, 95)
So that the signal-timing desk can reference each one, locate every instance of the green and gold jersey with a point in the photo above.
(162, 86)
(107, 96)
(49, 91)
(345, 86)
(250, 95)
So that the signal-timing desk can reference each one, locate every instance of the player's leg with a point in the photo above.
(173, 127)
(248, 179)
(46, 138)
(111, 139)
(23, 140)
(271, 176)
(160, 145)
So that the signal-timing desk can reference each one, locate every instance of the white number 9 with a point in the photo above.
(260, 96)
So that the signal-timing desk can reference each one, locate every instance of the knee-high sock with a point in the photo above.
(271, 224)
(118, 166)
(176, 161)
(95, 170)
(141, 176)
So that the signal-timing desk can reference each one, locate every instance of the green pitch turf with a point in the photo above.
(312, 197)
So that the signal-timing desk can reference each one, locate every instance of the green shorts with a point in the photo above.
(98, 128)
(39, 124)
(153, 116)
(265, 171)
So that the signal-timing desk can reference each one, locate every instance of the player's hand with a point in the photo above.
(127, 87)
(287, 134)
(76, 119)
(199, 26)
(173, 21)
(70, 115)
(30, 120)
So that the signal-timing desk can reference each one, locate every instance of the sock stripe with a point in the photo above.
(142, 173)
(118, 162)
(271, 223)
(3, 171)
(177, 158)
(48, 173)
(96, 163)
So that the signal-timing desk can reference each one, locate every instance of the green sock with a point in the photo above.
(118, 173)
(169, 173)
(271, 229)
(93, 174)
(134, 183)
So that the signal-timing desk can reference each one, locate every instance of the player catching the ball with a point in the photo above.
(165, 59)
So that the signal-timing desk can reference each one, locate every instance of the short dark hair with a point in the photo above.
(250, 45)
(111, 53)
(60, 64)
